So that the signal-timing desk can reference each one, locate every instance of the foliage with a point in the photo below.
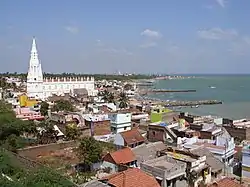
(89, 150)
(46, 178)
(13, 130)
(107, 96)
(44, 107)
(72, 132)
(23, 76)
(47, 133)
(63, 105)
(123, 100)
(5, 85)
(128, 87)
(82, 177)
(19, 176)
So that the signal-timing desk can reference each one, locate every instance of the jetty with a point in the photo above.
(189, 103)
(171, 91)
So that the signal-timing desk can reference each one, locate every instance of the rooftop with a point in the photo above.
(164, 167)
(148, 151)
(228, 182)
(132, 177)
(121, 156)
(132, 136)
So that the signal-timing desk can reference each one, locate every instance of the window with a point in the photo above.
(153, 133)
(34, 79)
(125, 128)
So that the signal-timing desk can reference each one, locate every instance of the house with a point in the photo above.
(119, 160)
(166, 170)
(27, 113)
(99, 124)
(132, 177)
(222, 148)
(216, 165)
(130, 138)
(120, 121)
(159, 113)
(196, 167)
(147, 151)
(161, 131)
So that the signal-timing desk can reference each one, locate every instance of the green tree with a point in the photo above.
(63, 105)
(44, 107)
(108, 96)
(72, 132)
(128, 87)
(46, 178)
(123, 100)
(89, 150)
(47, 133)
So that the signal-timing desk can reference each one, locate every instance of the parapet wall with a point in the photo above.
(69, 79)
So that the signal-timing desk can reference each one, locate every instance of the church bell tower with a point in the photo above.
(35, 75)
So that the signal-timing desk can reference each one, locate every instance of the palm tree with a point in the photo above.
(123, 100)
(108, 96)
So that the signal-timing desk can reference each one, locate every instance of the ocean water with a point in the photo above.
(232, 90)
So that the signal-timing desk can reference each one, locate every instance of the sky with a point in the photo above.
(133, 36)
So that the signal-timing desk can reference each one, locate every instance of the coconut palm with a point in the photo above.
(108, 96)
(123, 100)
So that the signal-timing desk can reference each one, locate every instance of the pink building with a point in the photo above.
(28, 114)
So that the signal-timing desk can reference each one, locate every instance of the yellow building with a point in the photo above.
(24, 101)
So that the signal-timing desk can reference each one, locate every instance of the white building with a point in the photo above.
(246, 161)
(120, 122)
(42, 88)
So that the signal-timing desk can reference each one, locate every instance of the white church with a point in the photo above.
(41, 88)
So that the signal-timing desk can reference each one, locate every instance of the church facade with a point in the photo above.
(42, 88)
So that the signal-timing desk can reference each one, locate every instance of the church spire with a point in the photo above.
(33, 49)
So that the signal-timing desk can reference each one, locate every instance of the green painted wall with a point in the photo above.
(156, 114)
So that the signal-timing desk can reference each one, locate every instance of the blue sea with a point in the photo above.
(232, 90)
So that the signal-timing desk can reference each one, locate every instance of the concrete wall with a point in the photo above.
(33, 152)
(238, 133)
(118, 139)
(113, 167)
(99, 128)
(156, 134)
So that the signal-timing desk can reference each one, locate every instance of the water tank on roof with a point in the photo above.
(163, 124)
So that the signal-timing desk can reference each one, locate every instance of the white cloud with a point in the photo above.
(221, 3)
(217, 34)
(72, 29)
(151, 33)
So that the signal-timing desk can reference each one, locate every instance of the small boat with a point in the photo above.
(212, 87)
(196, 106)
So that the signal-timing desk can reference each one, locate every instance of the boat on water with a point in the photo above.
(212, 87)
(196, 106)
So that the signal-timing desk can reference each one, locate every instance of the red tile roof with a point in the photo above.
(121, 156)
(226, 182)
(132, 136)
(132, 177)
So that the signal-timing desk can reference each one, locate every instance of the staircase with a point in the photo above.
(171, 134)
